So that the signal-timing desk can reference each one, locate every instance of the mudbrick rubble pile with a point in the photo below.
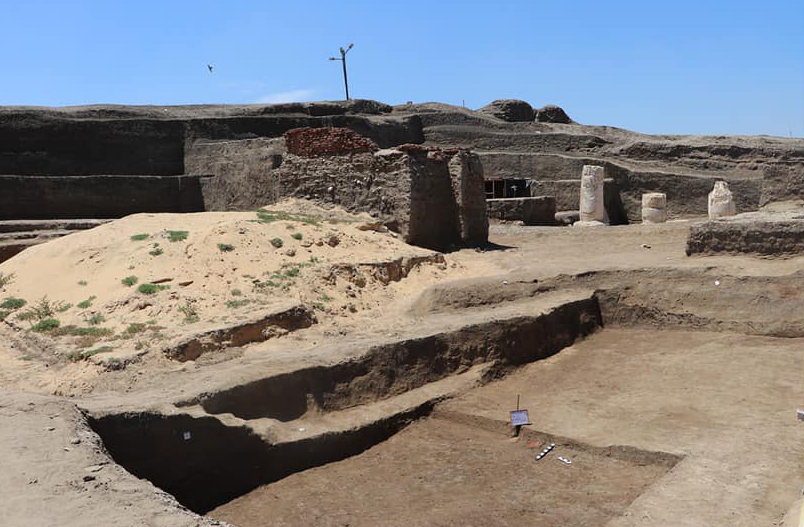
(312, 142)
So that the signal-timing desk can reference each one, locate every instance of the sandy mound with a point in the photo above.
(149, 280)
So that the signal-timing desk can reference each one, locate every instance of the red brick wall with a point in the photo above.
(314, 142)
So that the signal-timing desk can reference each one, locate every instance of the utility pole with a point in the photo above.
(343, 60)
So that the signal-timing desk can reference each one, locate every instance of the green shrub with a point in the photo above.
(149, 289)
(292, 272)
(139, 237)
(268, 216)
(236, 292)
(156, 252)
(78, 331)
(129, 280)
(43, 309)
(64, 307)
(82, 282)
(296, 236)
(46, 324)
(86, 303)
(225, 247)
(190, 313)
(135, 328)
(12, 303)
(277, 242)
(77, 355)
(177, 236)
(96, 319)
(233, 304)
(102, 349)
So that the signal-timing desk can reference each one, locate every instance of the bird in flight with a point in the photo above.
(209, 67)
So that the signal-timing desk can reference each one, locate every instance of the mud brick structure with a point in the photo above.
(313, 142)
(747, 235)
(434, 198)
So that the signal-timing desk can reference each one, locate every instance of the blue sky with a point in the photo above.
(708, 67)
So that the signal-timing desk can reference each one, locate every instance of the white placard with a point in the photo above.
(519, 417)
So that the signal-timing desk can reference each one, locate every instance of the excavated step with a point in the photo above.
(49, 225)
(208, 448)
(205, 461)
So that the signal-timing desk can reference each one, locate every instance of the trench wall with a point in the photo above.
(205, 463)
(61, 197)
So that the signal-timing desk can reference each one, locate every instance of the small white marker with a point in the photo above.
(717, 282)
(187, 436)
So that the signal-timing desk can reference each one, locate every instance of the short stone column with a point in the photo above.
(654, 207)
(721, 201)
(592, 208)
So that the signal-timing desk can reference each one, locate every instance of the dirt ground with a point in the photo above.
(442, 472)
(723, 403)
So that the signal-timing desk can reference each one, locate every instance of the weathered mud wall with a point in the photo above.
(468, 183)
(779, 238)
(415, 192)
(40, 146)
(58, 197)
(782, 182)
(244, 171)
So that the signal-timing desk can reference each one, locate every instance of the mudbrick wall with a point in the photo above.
(433, 198)
(315, 142)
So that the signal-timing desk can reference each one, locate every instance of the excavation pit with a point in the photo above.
(417, 426)
(441, 471)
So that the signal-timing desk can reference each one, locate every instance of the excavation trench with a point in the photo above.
(394, 368)
(204, 462)
(214, 448)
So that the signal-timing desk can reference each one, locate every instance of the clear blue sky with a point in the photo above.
(681, 66)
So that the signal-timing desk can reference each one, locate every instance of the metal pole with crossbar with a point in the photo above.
(343, 60)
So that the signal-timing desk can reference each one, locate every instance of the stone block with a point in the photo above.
(652, 215)
(654, 200)
(721, 201)
(592, 205)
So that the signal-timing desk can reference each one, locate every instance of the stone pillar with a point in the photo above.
(654, 207)
(592, 208)
(721, 201)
